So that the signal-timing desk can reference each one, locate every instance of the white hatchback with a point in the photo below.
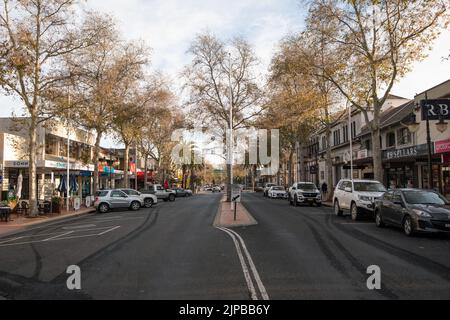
(357, 196)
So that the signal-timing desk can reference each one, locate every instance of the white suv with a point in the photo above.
(357, 196)
(304, 192)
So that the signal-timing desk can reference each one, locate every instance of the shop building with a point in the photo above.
(52, 161)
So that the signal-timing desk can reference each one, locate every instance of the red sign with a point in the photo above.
(442, 146)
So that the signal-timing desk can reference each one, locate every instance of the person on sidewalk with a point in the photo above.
(324, 190)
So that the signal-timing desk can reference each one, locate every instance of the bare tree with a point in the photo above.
(34, 37)
(223, 76)
(104, 75)
(373, 44)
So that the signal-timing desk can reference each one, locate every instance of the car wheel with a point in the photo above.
(148, 203)
(171, 198)
(103, 208)
(337, 209)
(379, 219)
(408, 226)
(354, 212)
(135, 206)
(295, 201)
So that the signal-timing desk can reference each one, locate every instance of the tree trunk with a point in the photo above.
(145, 173)
(291, 165)
(302, 163)
(126, 166)
(329, 167)
(32, 165)
(95, 160)
(376, 154)
(192, 186)
(229, 182)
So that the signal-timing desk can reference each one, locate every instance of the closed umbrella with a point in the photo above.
(62, 184)
(19, 186)
(74, 187)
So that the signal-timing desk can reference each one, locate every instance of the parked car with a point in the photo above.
(216, 189)
(106, 200)
(414, 210)
(149, 199)
(180, 192)
(267, 186)
(161, 193)
(304, 192)
(277, 192)
(357, 196)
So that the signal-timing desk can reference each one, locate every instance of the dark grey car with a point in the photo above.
(414, 210)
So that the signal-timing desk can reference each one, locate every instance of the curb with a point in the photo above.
(216, 222)
(42, 224)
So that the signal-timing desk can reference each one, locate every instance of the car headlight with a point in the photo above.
(422, 214)
(365, 198)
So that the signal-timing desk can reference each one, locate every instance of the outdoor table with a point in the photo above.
(5, 213)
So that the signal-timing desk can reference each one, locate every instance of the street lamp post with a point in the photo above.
(430, 166)
(230, 146)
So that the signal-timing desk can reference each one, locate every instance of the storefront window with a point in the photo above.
(404, 136)
(390, 139)
(51, 145)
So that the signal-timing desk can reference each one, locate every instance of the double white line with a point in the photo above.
(248, 270)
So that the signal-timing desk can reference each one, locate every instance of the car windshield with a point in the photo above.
(424, 197)
(307, 186)
(278, 188)
(369, 187)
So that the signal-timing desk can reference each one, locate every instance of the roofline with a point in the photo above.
(429, 89)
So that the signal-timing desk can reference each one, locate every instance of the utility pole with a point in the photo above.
(349, 132)
(68, 154)
(430, 166)
(136, 162)
(230, 147)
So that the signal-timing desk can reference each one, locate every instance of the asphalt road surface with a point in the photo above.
(172, 251)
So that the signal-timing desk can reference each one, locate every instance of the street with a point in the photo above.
(172, 251)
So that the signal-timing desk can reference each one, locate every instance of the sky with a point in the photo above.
(169, 26)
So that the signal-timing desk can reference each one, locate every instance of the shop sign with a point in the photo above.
(362, 154)
(413, 151)
(436, 109)
(63, 165)
(17, 164)
(442, 146)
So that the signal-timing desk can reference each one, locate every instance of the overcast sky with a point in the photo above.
(169, 26)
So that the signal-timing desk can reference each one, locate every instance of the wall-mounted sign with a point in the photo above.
(17, 164)
(362, 154)
(413, 151)
(436, 109)
(442, 146)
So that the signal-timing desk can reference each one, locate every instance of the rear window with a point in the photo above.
(101, 193)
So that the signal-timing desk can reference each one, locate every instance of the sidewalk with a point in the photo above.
(19, 223)
(225, 216)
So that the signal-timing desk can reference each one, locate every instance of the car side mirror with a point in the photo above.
(348, 189)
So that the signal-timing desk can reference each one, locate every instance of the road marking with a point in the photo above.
(248, 278)
(83, 226)
(55, 237)
(9, 240)
(261, 287)
(112, 229)
(59, 236)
